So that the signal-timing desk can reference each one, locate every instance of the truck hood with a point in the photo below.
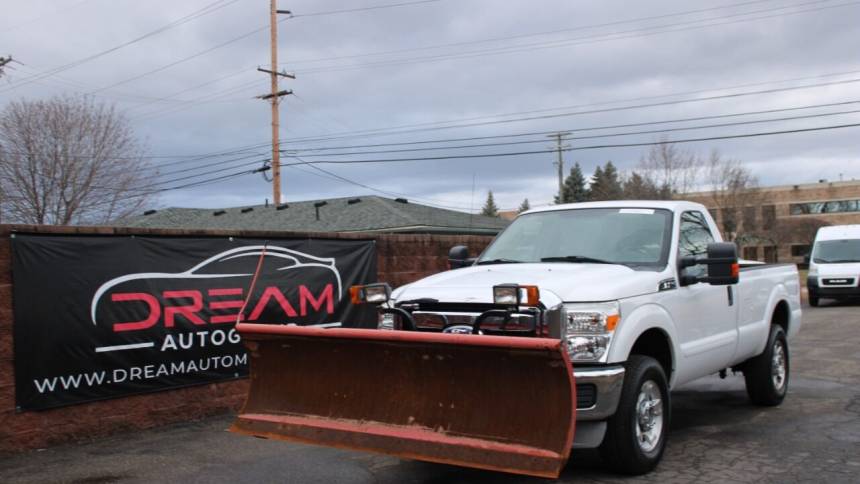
(569, 282)
(847, 269)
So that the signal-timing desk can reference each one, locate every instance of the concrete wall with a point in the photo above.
(401, 259)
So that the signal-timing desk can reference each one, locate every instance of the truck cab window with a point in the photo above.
(693, 239)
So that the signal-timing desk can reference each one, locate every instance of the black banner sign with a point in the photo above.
(105, 316)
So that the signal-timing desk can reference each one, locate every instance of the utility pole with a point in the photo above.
(559, 138)
(274, 96)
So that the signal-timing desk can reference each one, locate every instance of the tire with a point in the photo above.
(767, 374)
(813, 300)
(623, 448)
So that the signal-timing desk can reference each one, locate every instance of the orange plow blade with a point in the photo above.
(491, 402)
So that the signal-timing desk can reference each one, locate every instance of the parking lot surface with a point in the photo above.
(716, 436)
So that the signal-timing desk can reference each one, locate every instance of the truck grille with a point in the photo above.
(435, 316)
(838, 281)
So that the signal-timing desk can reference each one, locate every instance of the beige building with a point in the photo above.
(780, 225)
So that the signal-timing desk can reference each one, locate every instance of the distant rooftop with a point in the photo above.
(351, 214)
(797, 186)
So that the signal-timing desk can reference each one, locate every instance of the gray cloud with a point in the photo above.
(339, 98)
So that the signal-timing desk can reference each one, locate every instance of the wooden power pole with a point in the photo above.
(274, 96)
(559, 138)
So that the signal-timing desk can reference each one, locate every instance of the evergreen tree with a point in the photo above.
(638, 187)
(574, 189)
(524, 206)
(605, 184)
(490, 209)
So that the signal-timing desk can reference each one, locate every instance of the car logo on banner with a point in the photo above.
(213, 292)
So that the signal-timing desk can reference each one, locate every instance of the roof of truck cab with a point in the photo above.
(837, 232)
(673, 205)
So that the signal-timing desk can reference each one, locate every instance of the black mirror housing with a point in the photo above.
(458, 257)
(722, 262)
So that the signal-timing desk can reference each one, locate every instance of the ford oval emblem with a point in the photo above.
(458, 329)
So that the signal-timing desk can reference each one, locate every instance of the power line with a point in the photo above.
(578, 148)
(361, 9)
(394, 131)
(620, 35)
(174, 160)
(185, 59)
(335, 176)
(535, 34)
(207, 9)
(587, 128)
(573, 138)
(205, 98)
(40, 17)
(231, 41)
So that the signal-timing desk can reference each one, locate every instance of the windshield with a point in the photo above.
(833, 251)
(630, 236)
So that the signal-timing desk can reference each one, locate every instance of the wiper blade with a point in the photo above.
(575, 259)
(498, 261)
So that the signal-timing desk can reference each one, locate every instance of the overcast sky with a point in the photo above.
(422, 67)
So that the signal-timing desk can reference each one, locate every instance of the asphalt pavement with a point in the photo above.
(716, 436)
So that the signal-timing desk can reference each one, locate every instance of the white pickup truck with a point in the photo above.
(644, 294)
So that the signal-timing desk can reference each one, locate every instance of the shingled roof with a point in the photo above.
(352, 214)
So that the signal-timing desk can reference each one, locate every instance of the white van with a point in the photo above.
(834, 264)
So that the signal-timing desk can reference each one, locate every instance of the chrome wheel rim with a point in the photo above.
(649, 416)
(778, 367)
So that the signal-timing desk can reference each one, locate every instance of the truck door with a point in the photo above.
(706, 315)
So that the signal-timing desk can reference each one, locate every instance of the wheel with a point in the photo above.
(636, 434)
(813, 299)
(766, 375)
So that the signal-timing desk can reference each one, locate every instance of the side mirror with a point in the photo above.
(458, 257)
(722, 262)
(806, 259)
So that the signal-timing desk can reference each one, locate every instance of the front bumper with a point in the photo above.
(598, 390)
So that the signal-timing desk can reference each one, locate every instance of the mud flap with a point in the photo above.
(491, 402)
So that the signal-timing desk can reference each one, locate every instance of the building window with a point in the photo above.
(833, 206)
(751, 253)
(749, 219)
(800, 250)
(729, 224)
(770, 254)
(768, 216)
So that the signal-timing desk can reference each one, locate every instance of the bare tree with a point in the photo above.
(70, 160)
(799, 231)
(673, 170)
(3, 62)
(735, 194)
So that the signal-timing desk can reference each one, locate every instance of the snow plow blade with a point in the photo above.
(491, 402)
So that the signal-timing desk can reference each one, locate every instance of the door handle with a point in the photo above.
(731, 295)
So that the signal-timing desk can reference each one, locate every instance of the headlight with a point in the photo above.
(386, 321)
(377, 293)
(588, 329)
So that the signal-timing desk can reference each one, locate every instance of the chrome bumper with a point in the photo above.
(608, 381)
